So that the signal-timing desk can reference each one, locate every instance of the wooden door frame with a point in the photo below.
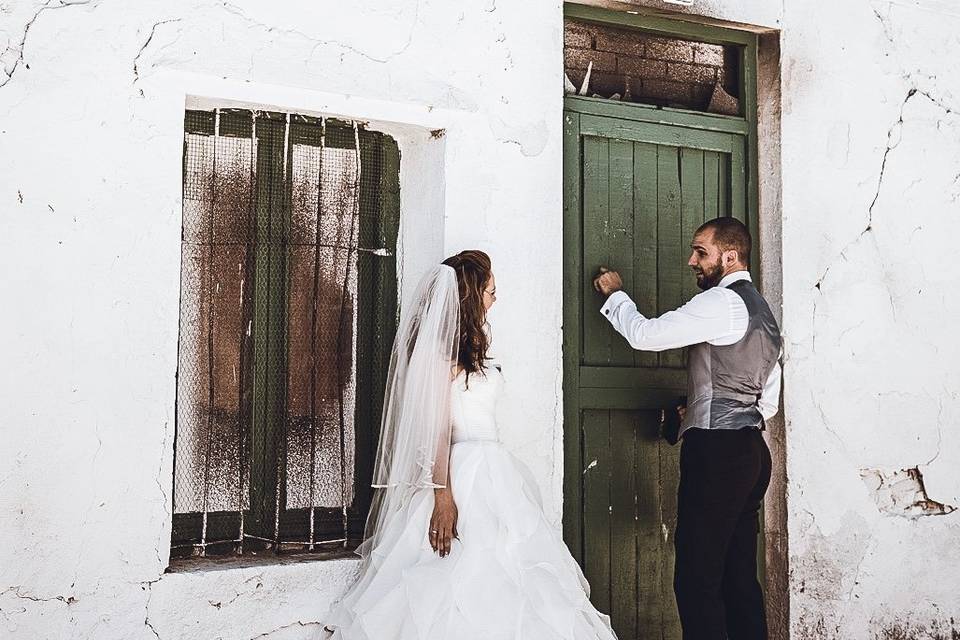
(575, 107)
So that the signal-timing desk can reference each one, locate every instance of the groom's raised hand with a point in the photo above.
(606, 282)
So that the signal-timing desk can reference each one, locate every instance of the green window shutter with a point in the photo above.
(288, 312)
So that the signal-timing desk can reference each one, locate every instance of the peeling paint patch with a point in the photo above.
(936, 630)
(530, 138)
(902, 493)
(815, 627)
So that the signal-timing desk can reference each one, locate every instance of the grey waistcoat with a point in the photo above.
(725, 383)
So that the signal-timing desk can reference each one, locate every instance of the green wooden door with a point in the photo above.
(634, 193)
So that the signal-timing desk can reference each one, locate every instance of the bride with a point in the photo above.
(457, 546)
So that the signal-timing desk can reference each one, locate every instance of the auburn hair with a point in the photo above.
(473, 270)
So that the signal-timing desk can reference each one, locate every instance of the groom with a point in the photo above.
(733, 387)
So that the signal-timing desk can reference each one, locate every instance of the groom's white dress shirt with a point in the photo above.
(717, 316)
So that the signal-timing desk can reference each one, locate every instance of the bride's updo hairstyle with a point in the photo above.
(473, 272)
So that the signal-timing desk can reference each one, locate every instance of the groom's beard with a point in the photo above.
(709, 276)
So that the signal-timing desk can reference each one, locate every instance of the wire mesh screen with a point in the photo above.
(288, 308)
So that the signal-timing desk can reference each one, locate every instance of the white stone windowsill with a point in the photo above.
(245, 596)
(233, 562)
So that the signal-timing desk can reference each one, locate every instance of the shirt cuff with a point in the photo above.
(767, 411)
(615, 300)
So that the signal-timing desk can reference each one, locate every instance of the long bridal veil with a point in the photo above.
(514, 577)
(414, 445)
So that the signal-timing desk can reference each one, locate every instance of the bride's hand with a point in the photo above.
(443, 523)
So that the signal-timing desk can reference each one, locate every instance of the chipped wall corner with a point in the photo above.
(902, 493)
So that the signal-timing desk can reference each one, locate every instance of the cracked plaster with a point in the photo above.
(902, 493)
(96, 99)
(869, 381)
(16, 35)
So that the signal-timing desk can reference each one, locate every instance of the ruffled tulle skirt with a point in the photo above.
(508, 577)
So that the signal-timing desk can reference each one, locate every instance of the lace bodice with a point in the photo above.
(473, 408)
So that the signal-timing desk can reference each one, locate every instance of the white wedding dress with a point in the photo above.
(508, 577)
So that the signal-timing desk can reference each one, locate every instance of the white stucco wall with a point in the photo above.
(871, 159)
(91, 108)
(90, 159)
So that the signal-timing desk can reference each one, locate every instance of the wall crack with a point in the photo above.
(884, 24)
(52, 5)
(939, 433)
(164, 496)
(890, 146)
(237, 11)
(299, 623)
(147, 585)
(153, 32)
(68, 600)
(894, 138)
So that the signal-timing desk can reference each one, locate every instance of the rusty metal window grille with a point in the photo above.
(288, 309)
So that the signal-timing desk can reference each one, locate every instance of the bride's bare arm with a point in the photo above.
(443, 523)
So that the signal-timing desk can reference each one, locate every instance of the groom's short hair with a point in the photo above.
(730, 235)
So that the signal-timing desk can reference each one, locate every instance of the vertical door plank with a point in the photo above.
(738, 185)
(597, 335)
(650, 561)
(671, 255)
(645, 238)
(691, 216)
(596, 507)
(723, 185)
(711, 185)
(669, 483)
(620, 249)
(623, 522)
(573, 275)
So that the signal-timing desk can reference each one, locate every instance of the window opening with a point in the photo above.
(287, 313)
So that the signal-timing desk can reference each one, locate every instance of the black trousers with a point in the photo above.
(723, 477)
